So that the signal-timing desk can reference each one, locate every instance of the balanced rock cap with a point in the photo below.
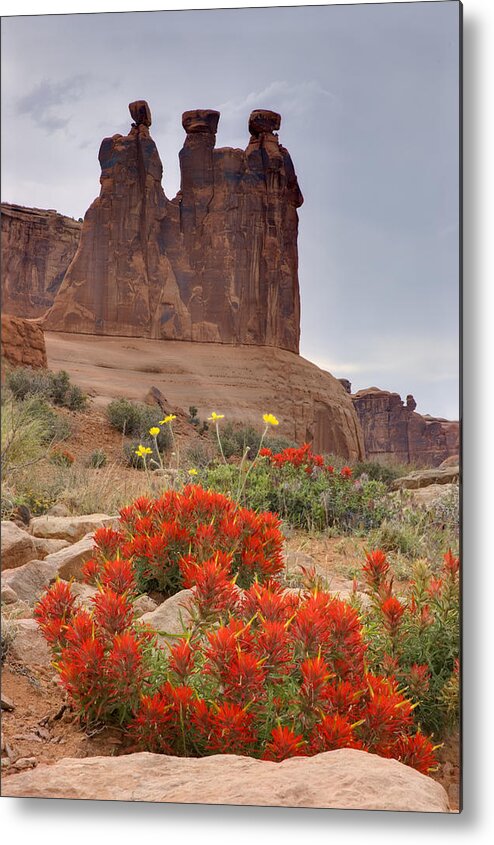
(263, 120)
(200, 120)
(140, 113)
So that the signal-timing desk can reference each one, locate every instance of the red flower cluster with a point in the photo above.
(168, 540)
(295, 660)
(100, 657)
(302, 456)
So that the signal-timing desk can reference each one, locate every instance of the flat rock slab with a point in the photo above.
(71, 528)
(343, 779)
(17, 546)
(423, 478)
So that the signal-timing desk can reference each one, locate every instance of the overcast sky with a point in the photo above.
(369, 101)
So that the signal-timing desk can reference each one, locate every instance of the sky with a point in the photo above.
(369, 99)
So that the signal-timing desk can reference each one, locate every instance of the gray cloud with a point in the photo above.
(368, 96)
(43, 103)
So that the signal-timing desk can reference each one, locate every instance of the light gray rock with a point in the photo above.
(8, 596)
(68, 562)
(28, 645)
(344, 779)
(45, 547)
(171, 616)
(84, 593)
(144, 604)
(17, 546)
(29, 581)
(71, 528)
(425, 477)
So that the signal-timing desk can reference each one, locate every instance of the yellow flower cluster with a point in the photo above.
(270, 419)
(141, 451)
(168, 419)
(214, 416)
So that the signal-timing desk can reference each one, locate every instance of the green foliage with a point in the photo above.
(311, 502)
(135, 418)
(24, 382)
(376, 471)
(97, 459)
(422, 648)
(28, 426)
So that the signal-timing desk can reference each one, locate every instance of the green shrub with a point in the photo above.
(97, 459)
(393, 537)
(28, 426)
(56, 388)
(311, 502)
(416, 637)
(378, 472)
(125, 416)
(135, 418)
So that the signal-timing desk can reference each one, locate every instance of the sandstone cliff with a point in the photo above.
(393, 430)
(23, 343)
(242, 382)
(37, 248)
(218, 263)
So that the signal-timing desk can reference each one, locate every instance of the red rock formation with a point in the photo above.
(23, 342)
(218, 263)
(242, 382)
(37, 248)
(393, 430)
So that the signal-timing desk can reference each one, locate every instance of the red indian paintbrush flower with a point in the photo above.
(451, 564)
(231, 730)
(375, 569)
(393, 611)
(284, 743)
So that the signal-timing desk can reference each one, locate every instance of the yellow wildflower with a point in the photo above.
(192, 471)
(168, 419)
(270, 419)
(154, 431)
(214, 416)
(143, 450)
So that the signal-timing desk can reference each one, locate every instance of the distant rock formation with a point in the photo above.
(23, 343)
(393, 430)
(37, 248)
(218, 263)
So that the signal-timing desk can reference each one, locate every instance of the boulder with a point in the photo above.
(28, 645)
(8, 595)
(426, 477)
(144, 604)
(170, 617)
(17, 546)
(84, 593)
(29, 581)
(68, 562)
(23, 342)
(343, 779)
(45, 546)
(70, 528)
